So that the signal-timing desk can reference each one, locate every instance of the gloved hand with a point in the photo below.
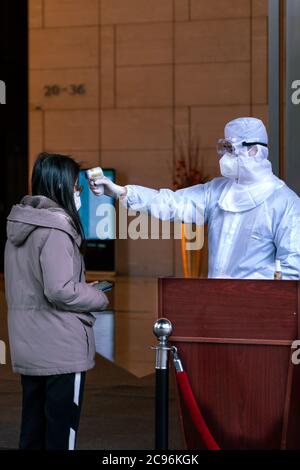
(101, 184)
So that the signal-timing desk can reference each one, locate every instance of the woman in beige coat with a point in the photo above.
(50, 327)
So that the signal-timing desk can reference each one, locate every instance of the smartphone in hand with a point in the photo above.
(105, 286)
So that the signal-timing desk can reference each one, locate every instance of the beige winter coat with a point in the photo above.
(50, 327)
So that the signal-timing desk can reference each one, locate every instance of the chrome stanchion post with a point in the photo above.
(162, 330)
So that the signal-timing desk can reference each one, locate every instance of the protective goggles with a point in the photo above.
(227, 146)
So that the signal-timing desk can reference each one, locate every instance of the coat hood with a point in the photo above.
(34, 212)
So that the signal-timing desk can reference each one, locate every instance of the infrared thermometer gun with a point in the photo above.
(93, 176)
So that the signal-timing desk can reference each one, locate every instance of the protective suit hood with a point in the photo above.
(254, 181)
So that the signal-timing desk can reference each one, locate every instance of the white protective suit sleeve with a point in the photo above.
(184, 205)
(287, 242)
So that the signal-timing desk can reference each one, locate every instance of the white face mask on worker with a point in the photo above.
(77, 200)
(229, 166)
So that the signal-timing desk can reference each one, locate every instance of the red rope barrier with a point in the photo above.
(194, 411)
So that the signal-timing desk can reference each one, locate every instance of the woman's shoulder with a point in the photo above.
(53, 240)
(59, 227)
(55, 219)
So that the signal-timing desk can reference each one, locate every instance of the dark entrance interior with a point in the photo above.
(13, 114)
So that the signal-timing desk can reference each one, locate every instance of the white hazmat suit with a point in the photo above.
(253, 217)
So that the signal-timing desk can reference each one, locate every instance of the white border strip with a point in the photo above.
(77, 388)
(72, 436)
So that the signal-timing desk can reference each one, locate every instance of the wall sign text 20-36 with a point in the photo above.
(72, 89)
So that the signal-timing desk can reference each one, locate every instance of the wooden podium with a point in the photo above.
(234, 338)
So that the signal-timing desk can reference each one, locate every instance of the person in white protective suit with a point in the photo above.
(253, 217)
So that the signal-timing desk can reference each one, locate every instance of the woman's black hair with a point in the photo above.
(54, 176)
